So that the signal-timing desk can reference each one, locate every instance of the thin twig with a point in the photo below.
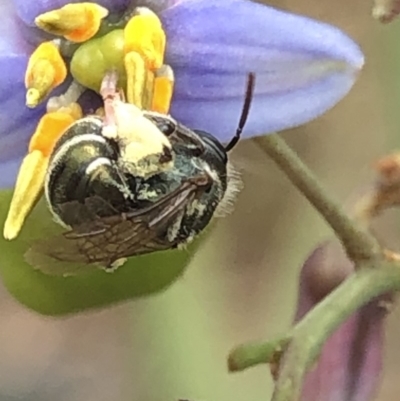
(317, 326)
(375, 275)
(310, 334)
(248, 355)
(359, 244)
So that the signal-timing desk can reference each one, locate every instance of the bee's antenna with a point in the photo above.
(245, 111)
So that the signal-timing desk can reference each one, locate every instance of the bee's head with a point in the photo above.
(214, 148)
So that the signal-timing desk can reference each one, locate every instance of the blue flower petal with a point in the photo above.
(9, 171)
(29, 9)
(17, 122)
(303, 67)
(269, 113)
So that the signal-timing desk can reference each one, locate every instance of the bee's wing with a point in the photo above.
(109, 239)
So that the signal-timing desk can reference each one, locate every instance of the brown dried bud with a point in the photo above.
(386, 10)
(385, 193)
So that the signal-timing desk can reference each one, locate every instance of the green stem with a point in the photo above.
(374, 276)
(310, 334)
(248, 355)
(359, 244)
(321, 321)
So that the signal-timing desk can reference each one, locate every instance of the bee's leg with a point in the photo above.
(149, 82)
(76, 22)
(31, 175)
(113, 266)
(46, 70)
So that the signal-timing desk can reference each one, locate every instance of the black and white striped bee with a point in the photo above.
(112, 213)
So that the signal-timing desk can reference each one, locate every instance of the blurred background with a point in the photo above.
(242, 284)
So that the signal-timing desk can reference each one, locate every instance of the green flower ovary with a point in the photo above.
(94, 58)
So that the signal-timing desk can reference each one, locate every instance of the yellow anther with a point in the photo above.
(46, 70)
(50, 128)
(136, 75)
(144, 35)
(149, 82)
(32, 172)
(27, 191)
(147, 97)
(76, 22)
(163, 90)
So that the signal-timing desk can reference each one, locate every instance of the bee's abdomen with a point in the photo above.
(83, 166)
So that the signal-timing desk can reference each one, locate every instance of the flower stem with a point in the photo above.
(310, 334)
(301, 347)
(248, 355)
(359, 244)
(376, 274)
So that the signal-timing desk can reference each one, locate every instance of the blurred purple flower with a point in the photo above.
(303, 67)
(350, 363)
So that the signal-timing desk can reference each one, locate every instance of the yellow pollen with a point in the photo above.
(76, 22)
(46, 70)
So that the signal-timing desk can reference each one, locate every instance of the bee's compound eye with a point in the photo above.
(213, 146)
(164, 124)
(167, 127)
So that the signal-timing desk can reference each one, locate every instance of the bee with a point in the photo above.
(113, 211)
